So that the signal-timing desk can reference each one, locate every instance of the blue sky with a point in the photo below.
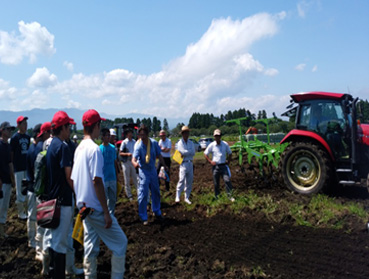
(173, 58)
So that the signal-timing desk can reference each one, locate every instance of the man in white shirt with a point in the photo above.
(125, 152)
(87, 176)
(165, 145)
(221, 155)
(187, 150)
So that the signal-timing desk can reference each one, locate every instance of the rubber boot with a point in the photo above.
(45, 263)
(2, 231)
(90, 268)
(118, 267)
(31, 230)
(21, 211)
(59, 266)
(70, 268)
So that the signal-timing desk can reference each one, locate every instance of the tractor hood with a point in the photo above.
(363, 133)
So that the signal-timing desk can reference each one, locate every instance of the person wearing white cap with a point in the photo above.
(19, 144)
(221, 155)
(165, 145)
(125, 151)
(187, 150)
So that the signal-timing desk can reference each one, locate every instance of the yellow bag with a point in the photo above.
(78, 230)
(177, 156)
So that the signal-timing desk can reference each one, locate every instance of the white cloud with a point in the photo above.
(32, 41)
(314, 69)
(216, 67)
(271, 72)
(42, 78)
(68, 65)
(303, 7)
(300, 67)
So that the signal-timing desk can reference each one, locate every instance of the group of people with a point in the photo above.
(85, 176)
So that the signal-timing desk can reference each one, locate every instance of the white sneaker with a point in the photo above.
(188, 201)
(232, 199)
(22, 216)
(177, 200)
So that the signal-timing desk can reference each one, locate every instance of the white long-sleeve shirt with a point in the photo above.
(186, 149)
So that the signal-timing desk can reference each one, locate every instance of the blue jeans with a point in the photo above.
(221, 170)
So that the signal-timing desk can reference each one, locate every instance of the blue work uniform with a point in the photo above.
(148, 178)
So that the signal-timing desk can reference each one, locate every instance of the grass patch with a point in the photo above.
(320, 211)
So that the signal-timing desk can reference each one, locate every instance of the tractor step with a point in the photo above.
(347, 182)
(344, 170)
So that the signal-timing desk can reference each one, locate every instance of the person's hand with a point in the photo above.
(108, 220)
(213, 163)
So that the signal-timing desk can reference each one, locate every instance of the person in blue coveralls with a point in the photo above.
(144, 157)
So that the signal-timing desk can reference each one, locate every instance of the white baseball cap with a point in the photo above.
(112, 132)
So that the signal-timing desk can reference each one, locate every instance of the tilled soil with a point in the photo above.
(188, 244)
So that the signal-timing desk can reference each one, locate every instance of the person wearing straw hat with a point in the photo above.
(187, 150)
(221, 155)
(87, 176)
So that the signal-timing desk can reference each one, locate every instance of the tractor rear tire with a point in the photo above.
(305, 168)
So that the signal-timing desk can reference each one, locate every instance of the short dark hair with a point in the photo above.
(56, 132)
(104, 131)
(144, 129)
(89, 129)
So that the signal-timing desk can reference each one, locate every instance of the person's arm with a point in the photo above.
(162, 162)
(100, 193)
(12, 178)
(68, 172)
(121, 151)
(135, 163)
(209, 160)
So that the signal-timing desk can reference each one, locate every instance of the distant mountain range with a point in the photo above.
(36, 116)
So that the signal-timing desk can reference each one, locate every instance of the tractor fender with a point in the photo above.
(293, 134)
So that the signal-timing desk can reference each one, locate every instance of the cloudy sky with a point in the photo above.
(173, 58)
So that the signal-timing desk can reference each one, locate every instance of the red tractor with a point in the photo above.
(329, 145)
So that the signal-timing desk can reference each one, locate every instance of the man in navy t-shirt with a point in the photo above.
(6, 174)
(19, 144)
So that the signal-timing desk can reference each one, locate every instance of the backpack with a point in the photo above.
(40, 174)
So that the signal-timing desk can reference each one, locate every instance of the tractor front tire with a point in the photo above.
(305, 168)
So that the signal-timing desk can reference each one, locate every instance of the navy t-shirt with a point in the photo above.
(19, 144)
(5, 160)
(31, 158)
(58, 157)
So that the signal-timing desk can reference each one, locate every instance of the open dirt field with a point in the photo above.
(189, 244)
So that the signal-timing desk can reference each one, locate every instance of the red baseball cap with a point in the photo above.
(61, 118)
(44, 128)
(21, 118)
(90, 117)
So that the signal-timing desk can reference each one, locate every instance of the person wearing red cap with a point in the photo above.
(88, 177)
(60, 186)
(19, 144)
(6, 175)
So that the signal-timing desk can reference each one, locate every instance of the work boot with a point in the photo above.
(31, 230)
(70, 268)
(90, 268)
(2, 231)
(59, 265)
(21, 211)
(117, 267)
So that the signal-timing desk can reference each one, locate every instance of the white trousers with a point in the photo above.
(129, 171)
(4, 202)
(185, 179)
